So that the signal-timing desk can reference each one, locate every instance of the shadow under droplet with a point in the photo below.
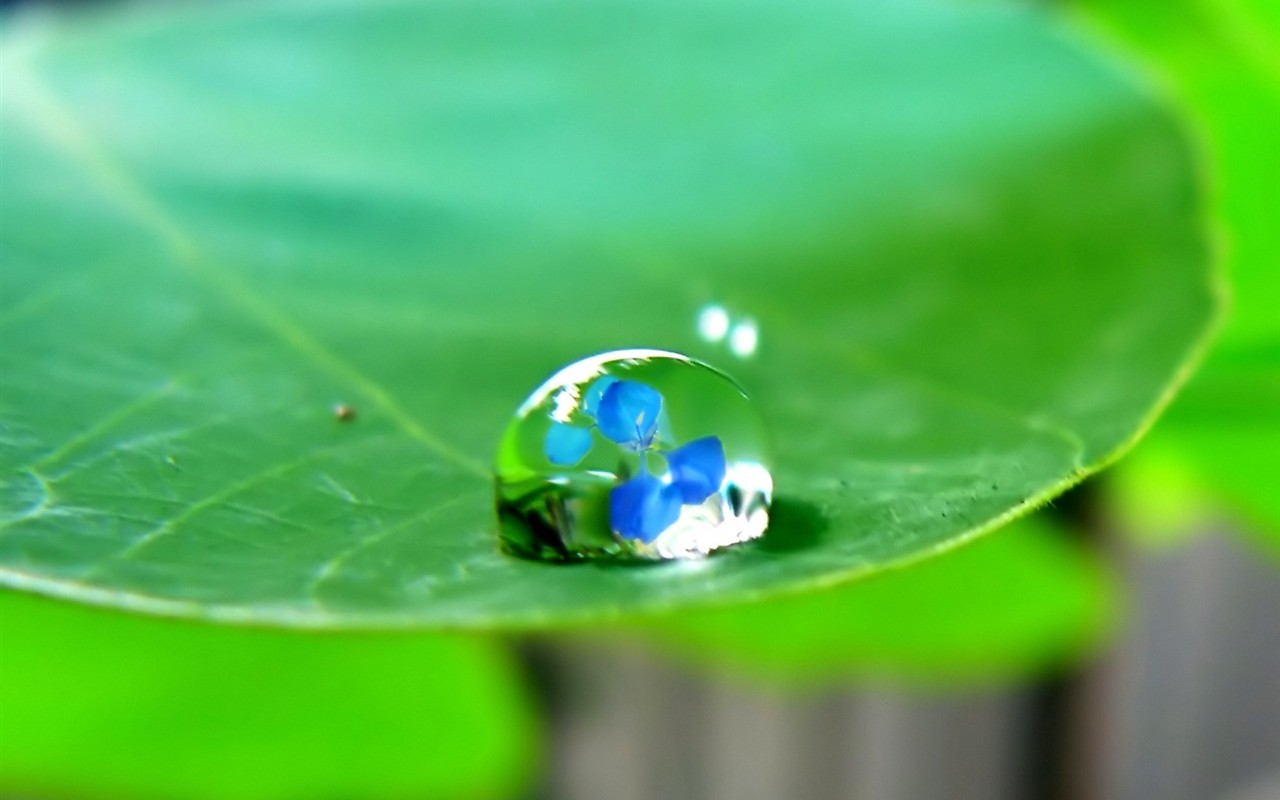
(794, 525)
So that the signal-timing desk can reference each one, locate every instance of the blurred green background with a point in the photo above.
(1003, 333)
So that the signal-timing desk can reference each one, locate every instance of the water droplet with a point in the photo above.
(741, 335)
(713, 323)
(634, 454)
(744, 338)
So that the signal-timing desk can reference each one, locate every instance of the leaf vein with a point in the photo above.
(169, 526)
(329, 569)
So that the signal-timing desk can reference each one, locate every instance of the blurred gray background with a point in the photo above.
(1183, 704)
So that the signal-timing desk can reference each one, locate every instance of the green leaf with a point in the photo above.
(1217, 447)
(1011, 604)
(973, 252)
(101, 704)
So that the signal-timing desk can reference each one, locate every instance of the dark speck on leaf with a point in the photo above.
(343, 412)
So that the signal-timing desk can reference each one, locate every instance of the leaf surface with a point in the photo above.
(972, 253)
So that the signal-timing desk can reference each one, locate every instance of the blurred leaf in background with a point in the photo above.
(98, 703)
(1219, 445)
(974, 255)
(1010, 605)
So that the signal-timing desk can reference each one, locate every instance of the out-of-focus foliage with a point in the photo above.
(974, 254)
(1011, 604)
(97, 703)
(1220, 442)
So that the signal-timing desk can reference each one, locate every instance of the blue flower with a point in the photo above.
(566, 445)
(627, 413)
(591, 397)
(645, 506)
(697, 469)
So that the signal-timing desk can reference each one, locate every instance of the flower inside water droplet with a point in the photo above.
(635, 454)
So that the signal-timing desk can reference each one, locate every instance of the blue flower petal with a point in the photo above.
(565, 445)
(591, 397)
(628, 413)
(643, 507)
(697, 469)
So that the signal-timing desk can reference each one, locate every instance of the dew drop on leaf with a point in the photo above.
(633, 455)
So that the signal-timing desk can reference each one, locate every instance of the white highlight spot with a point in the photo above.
(713, 322)
(566, 401)
(745, 338)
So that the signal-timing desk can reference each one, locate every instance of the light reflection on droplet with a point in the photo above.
(713, 322)
(744, 338)
(566, 402)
